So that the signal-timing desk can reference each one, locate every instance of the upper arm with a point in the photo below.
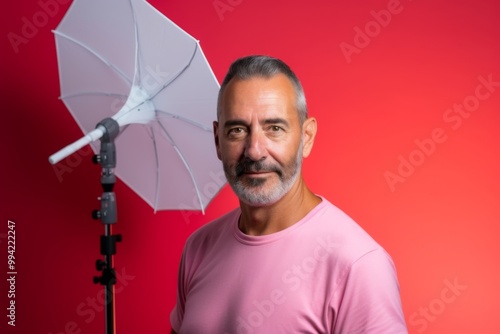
(177, 313)
(371, 302)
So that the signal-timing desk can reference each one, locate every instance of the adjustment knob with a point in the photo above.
(96, 214)
(99, 264)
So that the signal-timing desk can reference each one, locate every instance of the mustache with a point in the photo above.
(251, 166)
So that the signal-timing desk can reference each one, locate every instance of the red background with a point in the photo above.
(441, 225)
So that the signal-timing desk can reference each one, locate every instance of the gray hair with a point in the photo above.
(266, 67)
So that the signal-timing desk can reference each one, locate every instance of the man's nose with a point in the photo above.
(256, 146)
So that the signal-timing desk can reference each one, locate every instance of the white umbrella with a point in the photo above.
(125, 60)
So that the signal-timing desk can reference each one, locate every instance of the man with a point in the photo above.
(287, 260)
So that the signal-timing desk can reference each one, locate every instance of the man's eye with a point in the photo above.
(236, 131)
(275, 128)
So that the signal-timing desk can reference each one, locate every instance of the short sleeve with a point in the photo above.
(177, 314)
(370, 301)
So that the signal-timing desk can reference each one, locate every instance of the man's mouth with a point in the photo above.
(255, 169)
(259, 173)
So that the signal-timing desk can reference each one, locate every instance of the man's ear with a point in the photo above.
(309, 129)
(216, 139)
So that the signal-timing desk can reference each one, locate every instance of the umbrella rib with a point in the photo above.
(68, 96)
(179, 153)
(157, 190)
(137, 75)
(167, 83)
(185, 119)
(89, 49)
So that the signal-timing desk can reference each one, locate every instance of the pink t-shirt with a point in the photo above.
(324, 274)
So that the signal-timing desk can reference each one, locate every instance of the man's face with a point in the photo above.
(259, 138)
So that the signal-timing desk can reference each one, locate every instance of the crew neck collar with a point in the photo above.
(256, 240)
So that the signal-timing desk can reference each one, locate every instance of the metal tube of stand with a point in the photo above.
(109, 293)
(108, 216)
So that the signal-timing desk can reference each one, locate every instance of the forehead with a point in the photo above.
(243, 97)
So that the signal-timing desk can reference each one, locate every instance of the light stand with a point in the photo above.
(108, 216)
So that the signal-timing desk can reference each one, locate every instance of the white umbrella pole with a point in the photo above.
(72, 148)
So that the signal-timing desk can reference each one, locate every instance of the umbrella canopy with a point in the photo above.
(124, 59)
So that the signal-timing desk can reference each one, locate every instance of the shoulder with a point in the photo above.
(338, 230)
(210, 233)
(365, 277)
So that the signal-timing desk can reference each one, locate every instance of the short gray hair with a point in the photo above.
(266, 67)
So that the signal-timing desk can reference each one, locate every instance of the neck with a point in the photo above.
(291, 208)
